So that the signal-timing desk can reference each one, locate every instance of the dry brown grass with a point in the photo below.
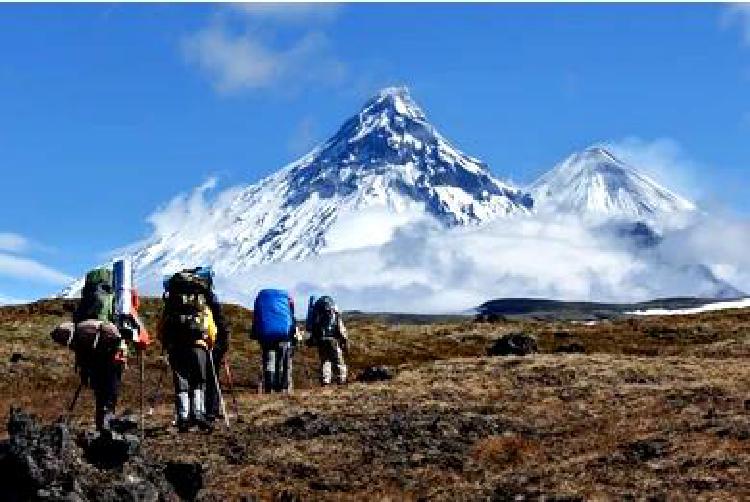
(656, 408)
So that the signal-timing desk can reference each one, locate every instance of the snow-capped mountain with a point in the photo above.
(336, 221)
(595, 184)
(386, 159)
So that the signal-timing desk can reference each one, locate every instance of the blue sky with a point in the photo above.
(108, 111)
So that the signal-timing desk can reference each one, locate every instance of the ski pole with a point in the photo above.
(231, 389)
(218, 389)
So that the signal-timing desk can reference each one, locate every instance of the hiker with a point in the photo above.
(100, 351)
(188, 331)
(328, 333)
(275, 330)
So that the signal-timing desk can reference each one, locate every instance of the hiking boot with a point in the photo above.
(183, 425)
(204, 424)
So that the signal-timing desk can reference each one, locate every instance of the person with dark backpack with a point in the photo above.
(218, 351)
(188, 332)
(99, 349)
(275, 330)
(328, 333)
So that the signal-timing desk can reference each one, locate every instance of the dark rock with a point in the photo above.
(135, 490)
(17, 357)
(109, 450)
(43, 463)
(126, 423)
(645, 449)
(571, 348)
(513, 344)
(34, 458)
(489, 317)
(185, 477)
(375, 374)
(309, 425)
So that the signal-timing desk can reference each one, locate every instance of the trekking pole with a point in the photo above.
(218, 389)
(142, 371)
(231, 389)
(156, 396)
(73, 402)
(260, 378)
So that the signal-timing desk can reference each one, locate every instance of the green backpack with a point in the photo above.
(97, 297)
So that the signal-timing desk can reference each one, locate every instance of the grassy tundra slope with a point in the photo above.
(655, 407)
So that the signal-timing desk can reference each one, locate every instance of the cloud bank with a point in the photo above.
(423, 268)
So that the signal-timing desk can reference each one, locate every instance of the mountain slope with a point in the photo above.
(387, 157)
(594, 183)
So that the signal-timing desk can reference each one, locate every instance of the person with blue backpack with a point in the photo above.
(275, 330)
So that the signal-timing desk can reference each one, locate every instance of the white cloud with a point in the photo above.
(189, 211)
(289, 12)
(250, 58)
(738, 14)
(30, 270)
(422, 268)
(13, 242)
(10, 300)
(304, 137)
(665, 161)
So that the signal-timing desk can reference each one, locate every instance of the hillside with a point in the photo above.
(654, 407)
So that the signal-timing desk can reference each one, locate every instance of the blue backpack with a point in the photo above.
(273, 316)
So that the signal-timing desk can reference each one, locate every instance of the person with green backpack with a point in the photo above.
(100, 351)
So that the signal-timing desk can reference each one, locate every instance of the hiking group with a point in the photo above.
(195, 338)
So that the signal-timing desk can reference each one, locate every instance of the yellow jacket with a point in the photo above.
(207, 323)
(210, 326)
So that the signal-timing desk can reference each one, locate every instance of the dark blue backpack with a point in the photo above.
(273, 316)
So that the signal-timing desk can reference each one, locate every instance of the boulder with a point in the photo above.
(109, 450)
(375, 374)
(513, 344)
(44, 463)
(185, 477)
(571, 348)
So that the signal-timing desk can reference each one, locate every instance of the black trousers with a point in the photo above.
(105, 377)
(188, 368)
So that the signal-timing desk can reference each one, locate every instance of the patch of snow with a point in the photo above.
(710, 307)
